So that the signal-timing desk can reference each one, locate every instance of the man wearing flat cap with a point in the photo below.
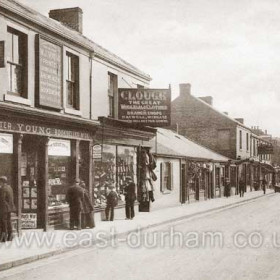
(6, 208)
(75, 199)
(130, 198)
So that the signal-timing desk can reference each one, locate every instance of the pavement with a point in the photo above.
(34, 245)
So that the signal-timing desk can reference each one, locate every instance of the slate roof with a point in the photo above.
(172, 144)
(57, 27)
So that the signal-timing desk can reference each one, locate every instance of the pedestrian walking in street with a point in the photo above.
(6, 208)
(112, 202)
(130, 197)
(87, 220)
(75, 199)
(264, 182)
(242, 186)
(227, 187)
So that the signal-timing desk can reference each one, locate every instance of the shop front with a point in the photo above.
(41, 159)
(116, 154)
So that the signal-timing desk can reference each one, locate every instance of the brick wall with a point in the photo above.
(201, 122)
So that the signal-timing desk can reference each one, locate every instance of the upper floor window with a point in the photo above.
(254, 147)
(140, 86)
(240, 139)
(247, 141)
(112, 92)
(72, 81)
(17, 62)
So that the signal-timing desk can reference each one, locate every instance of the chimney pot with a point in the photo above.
(185, 89)
(71, 17)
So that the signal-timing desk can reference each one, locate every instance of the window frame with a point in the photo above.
(112, 92)
(21, 63)
(73, 79)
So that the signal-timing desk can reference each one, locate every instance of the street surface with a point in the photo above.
(245, 245)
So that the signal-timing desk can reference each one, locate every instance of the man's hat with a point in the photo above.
(4, 179)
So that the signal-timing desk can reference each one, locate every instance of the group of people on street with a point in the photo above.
(6, 208)
(112, 200)
(81, 208)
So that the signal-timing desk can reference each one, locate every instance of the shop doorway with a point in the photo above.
(32, 172)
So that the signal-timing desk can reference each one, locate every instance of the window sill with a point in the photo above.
(73, 112)
(17, 99)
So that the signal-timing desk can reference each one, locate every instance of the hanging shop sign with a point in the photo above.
(28, 220)
(97, 152)
(6, 143)
(32, 128)
(59, 147)
(265, 149)
(150, 107)
(49, 69)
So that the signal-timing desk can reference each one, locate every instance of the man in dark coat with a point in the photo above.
(112, 202)
(75, 198)
(242, 187)
(264, 182)
(6, 208)
(87, 215)
(130, 197)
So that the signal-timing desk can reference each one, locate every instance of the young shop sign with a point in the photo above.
(150, 107)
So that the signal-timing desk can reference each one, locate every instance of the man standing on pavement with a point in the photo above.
(130, 197)
(112, 202)
(6, 208)
(75, 199)
(264, 185)
(242, 187)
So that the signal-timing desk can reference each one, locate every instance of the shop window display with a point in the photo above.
(104, 172)
(59, 171)
(126, 166)
(110, 168)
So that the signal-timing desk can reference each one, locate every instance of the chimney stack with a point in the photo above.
(71, 17)
(185, 89)
(241, 120)
(207, 99)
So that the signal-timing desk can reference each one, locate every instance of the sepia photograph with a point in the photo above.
(139, 139)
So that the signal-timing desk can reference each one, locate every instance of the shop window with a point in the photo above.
(59, 152)
(72, 81)
(112, 92)
(126, 166)
(17, 62)
(104, 173)
(166, 176)
(6, 156)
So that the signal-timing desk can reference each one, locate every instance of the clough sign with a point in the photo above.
(145, 106)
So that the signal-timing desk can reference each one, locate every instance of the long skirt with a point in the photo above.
(88, 220)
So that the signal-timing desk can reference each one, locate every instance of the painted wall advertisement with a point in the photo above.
(150, 107)
(50, 56)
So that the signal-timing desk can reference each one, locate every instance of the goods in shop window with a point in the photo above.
(25, 192)
(33, 192)
(26, 204)
(34, 204)
(25, 183)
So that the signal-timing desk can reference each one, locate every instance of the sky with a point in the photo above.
(228, 49)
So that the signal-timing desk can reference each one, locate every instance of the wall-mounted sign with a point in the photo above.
(59, 147)
(97, 152)
(264, 149)
(34, 128)
(145, 106)
(28, 220)
(49, 74)
(2, 54)
(6, 143)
